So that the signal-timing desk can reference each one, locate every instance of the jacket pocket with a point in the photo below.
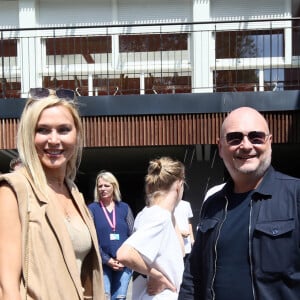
(207, 224)
(276, 244)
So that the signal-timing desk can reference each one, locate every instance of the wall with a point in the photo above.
(245, 9)
(9, 14)
(93, 12)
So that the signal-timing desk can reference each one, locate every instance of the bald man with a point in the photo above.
(247, 245)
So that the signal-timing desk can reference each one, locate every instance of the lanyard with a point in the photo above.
(112, 223)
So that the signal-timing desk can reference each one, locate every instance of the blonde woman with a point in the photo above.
(113, 220)
(48, 243)
(155, 249)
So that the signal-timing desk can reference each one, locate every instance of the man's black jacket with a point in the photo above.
(274, 241)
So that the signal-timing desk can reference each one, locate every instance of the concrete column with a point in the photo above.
(115, 37)
(261, 80)
(288, 44)
(90, 85)
(142, 83)
(30, 48)
(202, 48)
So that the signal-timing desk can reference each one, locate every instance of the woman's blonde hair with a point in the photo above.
(109, 177)
(162, 173)
(26, 135)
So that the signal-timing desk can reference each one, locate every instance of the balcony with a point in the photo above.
(153, 59)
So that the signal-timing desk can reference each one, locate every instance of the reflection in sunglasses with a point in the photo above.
(40, 93)
(255, 137)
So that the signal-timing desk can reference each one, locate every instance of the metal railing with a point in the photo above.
(255, 55)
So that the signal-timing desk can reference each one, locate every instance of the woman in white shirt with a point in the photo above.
(155, 249)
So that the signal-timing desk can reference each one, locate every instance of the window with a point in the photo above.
(122, 85)
(296, 37)
(86, 46)
(153, 42)
(247, 44)
(273, 79)
(296, 28)
(10, 85)
(8, 48)
(236, 80)
(279, 79)
(292, 79)
(66, 51)
(168, 83)
(161, 57)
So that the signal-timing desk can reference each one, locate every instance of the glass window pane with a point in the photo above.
(296, 37)
(274, 79)
(236, 80)
(8, 48)
(247, 44)
(153, 42)
(279, 79)
(78, 45)
(292, 79)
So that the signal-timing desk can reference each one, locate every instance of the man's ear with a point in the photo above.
(220, 147)
(271, 138)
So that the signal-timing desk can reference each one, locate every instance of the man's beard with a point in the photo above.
(262, 167)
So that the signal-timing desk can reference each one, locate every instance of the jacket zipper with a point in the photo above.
(250, 249)
(216, 242)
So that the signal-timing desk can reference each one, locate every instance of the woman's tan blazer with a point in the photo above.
(49, 269)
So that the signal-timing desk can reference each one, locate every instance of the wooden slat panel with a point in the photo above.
(160, 130)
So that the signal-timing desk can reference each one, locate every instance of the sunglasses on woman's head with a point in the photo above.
(255, 137)
(40, 93)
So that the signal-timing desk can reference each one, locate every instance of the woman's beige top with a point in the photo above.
(80, 238)
(49, 266)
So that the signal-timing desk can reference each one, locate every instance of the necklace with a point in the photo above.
(66, 209)
(67, 216)
(64, 203)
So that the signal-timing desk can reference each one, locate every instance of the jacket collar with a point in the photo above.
(264, 188)
(261, 192)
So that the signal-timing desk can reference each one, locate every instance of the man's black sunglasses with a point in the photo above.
(255, 137)
(40, 93)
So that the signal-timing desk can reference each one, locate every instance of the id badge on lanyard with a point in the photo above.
(113, 236)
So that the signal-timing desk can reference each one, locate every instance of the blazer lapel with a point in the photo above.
(62, 234)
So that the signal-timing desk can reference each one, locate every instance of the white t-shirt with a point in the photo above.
(156, 240)
(213, 190)
(183, 213)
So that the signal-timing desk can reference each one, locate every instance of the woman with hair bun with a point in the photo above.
(155, 249)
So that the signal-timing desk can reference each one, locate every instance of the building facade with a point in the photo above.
(155, 78)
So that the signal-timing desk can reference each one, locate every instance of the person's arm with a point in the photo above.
(104, 256)
(192, 238)
(179, 234)
(130, 221)
(132, 259)
(10, 245)
(180, 238)
(110, 261)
